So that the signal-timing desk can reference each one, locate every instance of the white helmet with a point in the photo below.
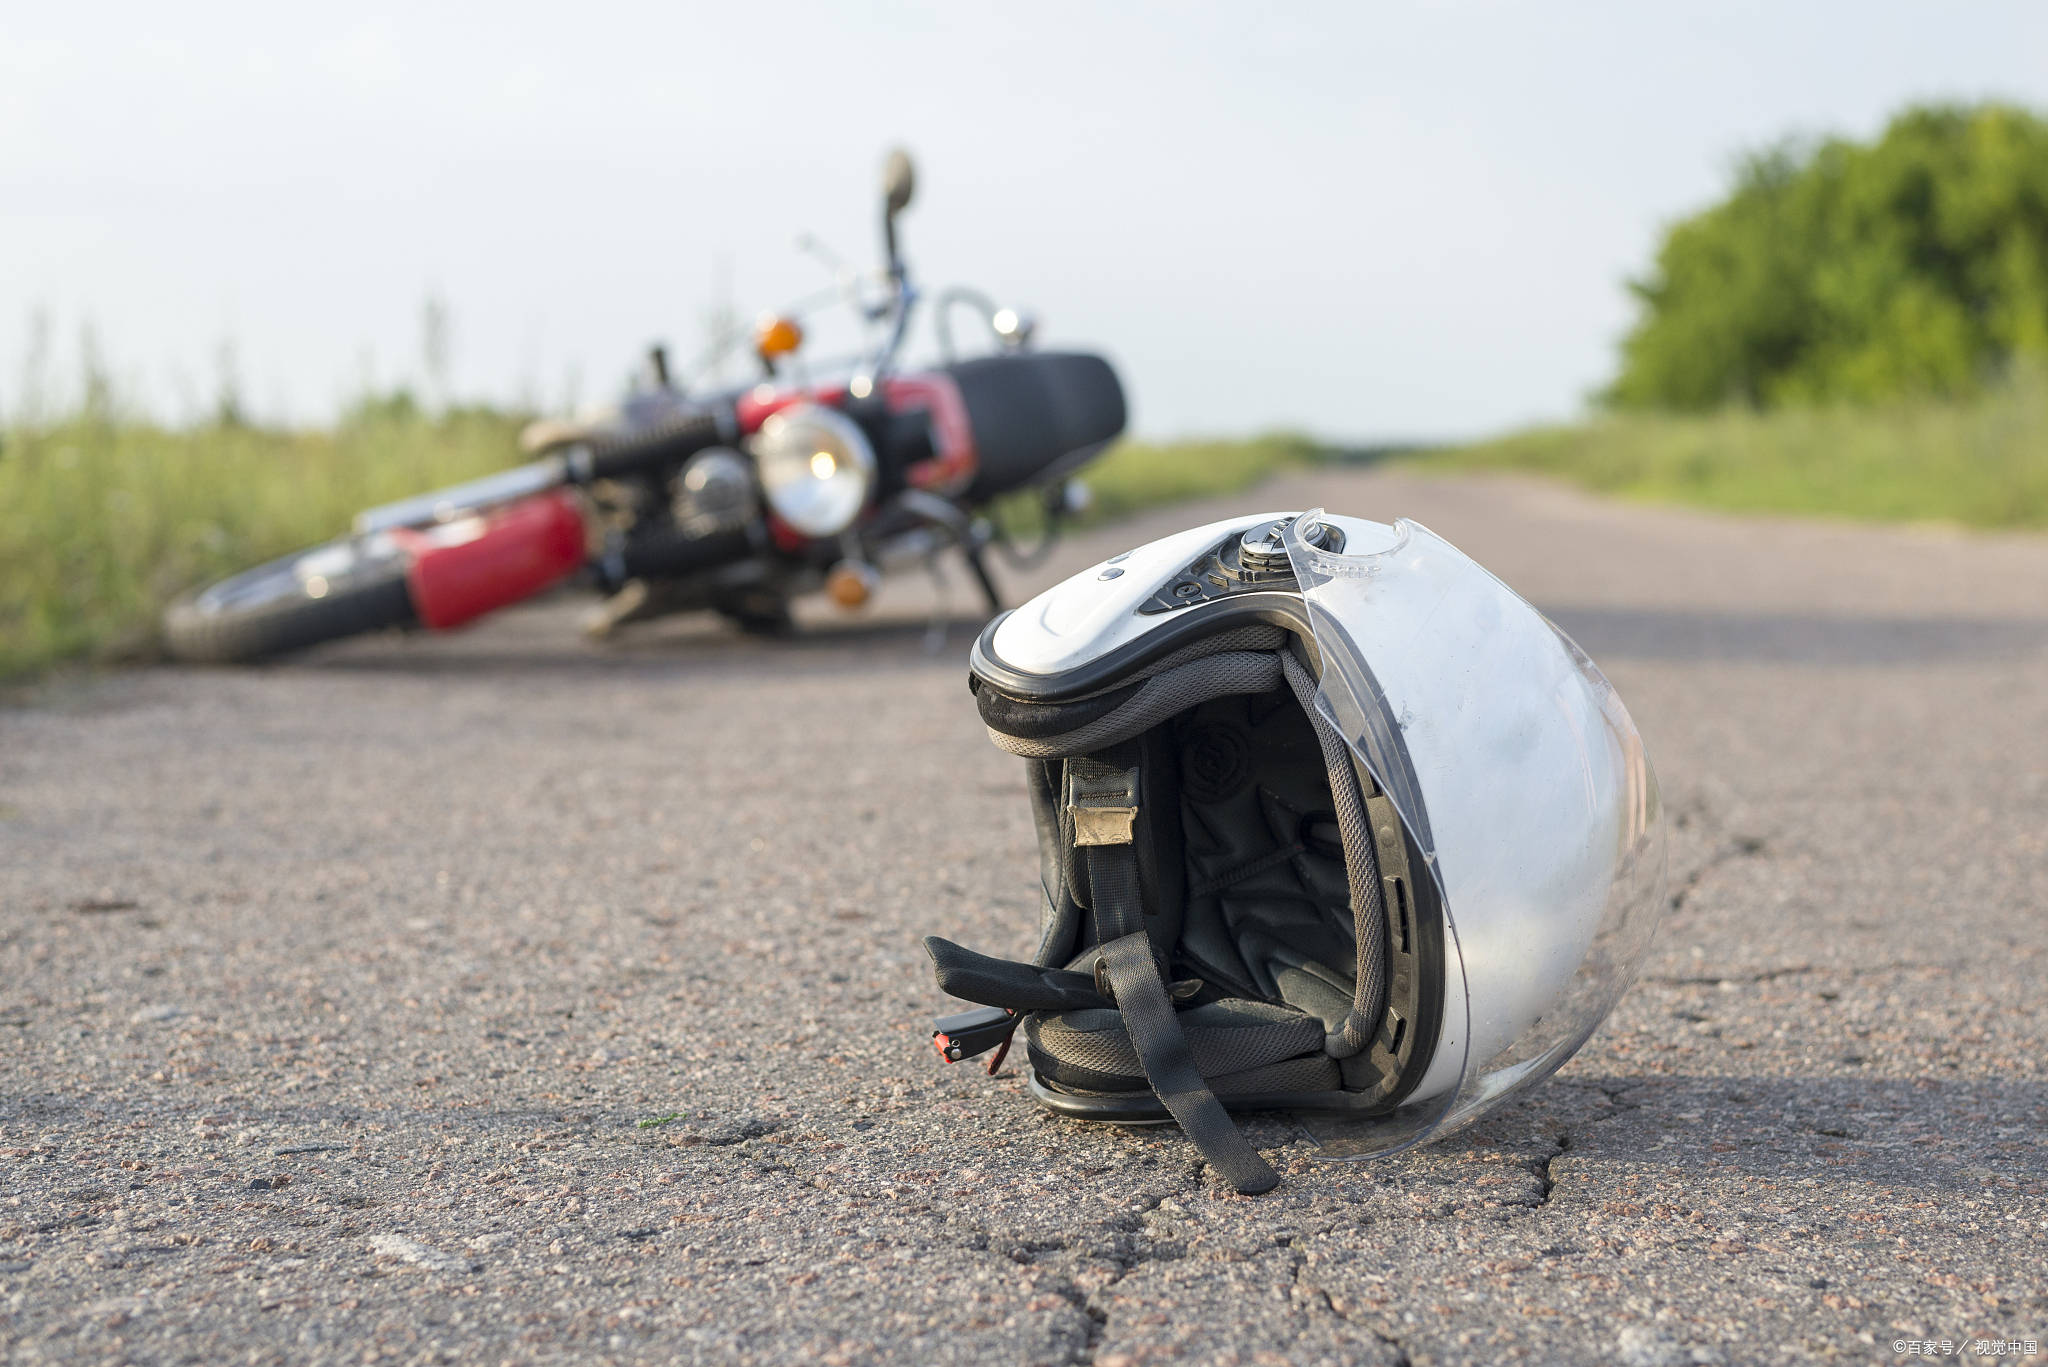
(1330, 820)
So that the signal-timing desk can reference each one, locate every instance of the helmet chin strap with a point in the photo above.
(1169, 1064)
(1102, 800)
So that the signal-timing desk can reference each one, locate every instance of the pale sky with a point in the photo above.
(1362, 220)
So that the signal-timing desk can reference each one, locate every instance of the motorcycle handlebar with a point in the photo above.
(612, 457)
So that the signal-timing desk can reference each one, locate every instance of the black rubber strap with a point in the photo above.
(1113, 894)
(1102, 803)
(1170, 1065)
(1005, 982)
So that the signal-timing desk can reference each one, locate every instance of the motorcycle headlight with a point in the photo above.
(816, 468)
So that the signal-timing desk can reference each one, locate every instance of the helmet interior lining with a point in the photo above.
(1258, 861)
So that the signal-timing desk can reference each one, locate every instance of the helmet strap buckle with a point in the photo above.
(1102, 801)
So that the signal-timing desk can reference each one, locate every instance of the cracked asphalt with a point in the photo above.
(504, 998)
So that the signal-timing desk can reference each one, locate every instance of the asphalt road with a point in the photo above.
(503, 998)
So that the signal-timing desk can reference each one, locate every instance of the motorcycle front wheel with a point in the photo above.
(344, 588)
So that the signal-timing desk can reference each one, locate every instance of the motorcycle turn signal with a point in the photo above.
(850, 583)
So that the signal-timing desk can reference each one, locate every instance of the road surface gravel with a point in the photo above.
(502, 997)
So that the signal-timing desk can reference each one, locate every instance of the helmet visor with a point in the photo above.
(1523, 784)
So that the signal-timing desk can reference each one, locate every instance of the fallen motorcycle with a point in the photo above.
(736, 502)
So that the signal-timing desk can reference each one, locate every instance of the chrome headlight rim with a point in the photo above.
(788, 452)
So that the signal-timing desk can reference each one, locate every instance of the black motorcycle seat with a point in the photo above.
(1033, 411)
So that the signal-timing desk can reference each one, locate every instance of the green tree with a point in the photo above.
(1917, 264)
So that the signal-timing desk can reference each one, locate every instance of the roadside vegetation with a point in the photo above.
(1857, 329)
(1143, 474)
(1845, 272)
(103, 521)
(1981, 461)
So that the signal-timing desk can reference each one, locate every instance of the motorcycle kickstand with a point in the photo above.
(971, 552)
(935, 627)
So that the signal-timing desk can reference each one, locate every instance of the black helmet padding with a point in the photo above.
(1209, 874)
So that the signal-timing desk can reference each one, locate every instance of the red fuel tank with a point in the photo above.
(466, 568)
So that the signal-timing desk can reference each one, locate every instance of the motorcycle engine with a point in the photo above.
(715, 493)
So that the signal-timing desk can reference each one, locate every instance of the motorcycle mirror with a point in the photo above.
(899, 180)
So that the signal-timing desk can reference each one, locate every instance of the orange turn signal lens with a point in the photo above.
(777, 336)
(850, 585)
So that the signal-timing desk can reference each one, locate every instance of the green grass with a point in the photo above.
(1138, 474)
(1981, 462)
(102, 523)
(1142, 474)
